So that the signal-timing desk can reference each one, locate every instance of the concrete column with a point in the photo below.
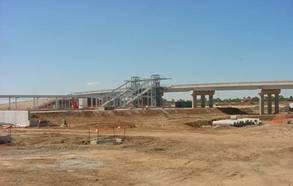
(37, 102)
(9, 106)
(34, 103)
(269, 100)
(277, 107)
(261, 104)
(15, 103)
(211, 101)
(194, 100)
(203, 94)
(269, 93)
(47, 106)
(56, 104)
(203, 101)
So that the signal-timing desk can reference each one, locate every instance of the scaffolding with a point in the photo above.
(137, 92)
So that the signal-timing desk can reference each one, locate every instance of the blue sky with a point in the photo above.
(60, 46)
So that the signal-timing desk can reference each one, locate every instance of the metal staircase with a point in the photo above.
(128, 92)
(134, 91)
(117, 93)
(138, 96)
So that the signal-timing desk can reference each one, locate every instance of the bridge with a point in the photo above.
(266, 89)
(149, 92)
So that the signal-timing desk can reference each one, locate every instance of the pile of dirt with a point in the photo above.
(200, 123)
(236, 111)
(136, 118)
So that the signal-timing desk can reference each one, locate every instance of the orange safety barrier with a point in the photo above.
(280, 118)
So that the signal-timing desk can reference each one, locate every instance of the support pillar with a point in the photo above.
(47, 106)
(194, 100)
(269, 100)
(277, 106)
(34, 103)
(211, 101)
(203, 95)
(15, 103)
(270, 104)
(9, 106)
(203, 101)
(56, 104)
(37, 102)
(261, 104)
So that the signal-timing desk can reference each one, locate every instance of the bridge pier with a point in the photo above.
(269, 93)
(202, 101)
(15, 103)
(9, 106)
(194, 101)
(56, 103)
(203, 95)
(270, 104)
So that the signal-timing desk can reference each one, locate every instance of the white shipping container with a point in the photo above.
(291, 105)
(17, 118)
(82, 103)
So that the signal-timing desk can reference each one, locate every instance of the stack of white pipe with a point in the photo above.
(232, 122)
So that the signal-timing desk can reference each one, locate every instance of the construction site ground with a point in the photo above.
(161, 147)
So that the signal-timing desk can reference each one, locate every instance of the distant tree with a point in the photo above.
(236, 100)
(217, 100)
(282, 98)
(254, 99)
(183, 104)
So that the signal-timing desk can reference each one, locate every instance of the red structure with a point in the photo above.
(74, 103)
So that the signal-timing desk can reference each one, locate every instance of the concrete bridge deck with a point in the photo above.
(231, 86)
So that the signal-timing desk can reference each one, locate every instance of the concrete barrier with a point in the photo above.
(17, 118)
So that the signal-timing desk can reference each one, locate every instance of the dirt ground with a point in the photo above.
(160, 148)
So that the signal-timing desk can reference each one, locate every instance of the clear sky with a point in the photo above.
(60, 46)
